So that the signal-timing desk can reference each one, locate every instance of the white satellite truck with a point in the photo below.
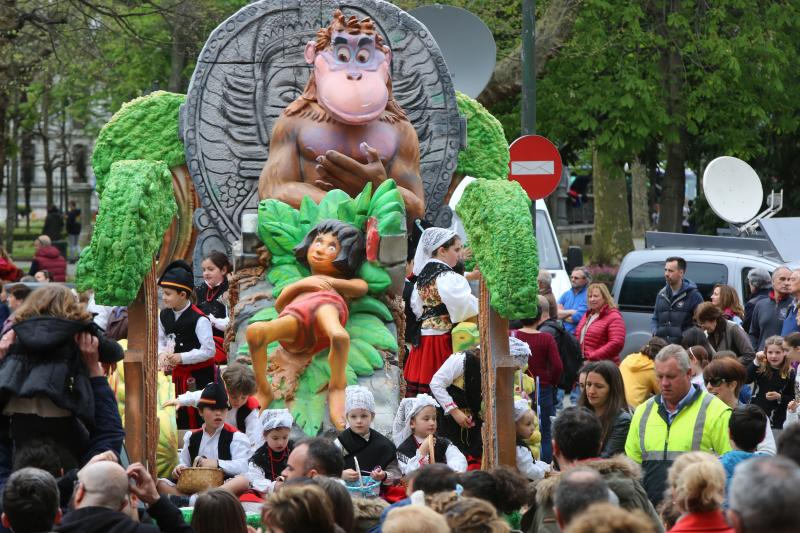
(755, 240)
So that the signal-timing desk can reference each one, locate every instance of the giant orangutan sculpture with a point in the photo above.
(346, 129)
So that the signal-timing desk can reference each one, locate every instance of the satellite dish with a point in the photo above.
(732, 189)
(466, 43)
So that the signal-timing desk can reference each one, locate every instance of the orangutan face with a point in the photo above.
(351, 77)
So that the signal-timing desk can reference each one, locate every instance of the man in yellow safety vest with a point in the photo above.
(683, 418)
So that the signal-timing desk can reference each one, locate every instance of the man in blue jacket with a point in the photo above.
(675, 303)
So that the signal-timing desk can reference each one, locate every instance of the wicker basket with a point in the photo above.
(197, 479)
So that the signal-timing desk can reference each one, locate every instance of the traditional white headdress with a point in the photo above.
(520, 351)
(276, 418)
(520, 408)
(358, 397)
(431, 239)
(408, 409)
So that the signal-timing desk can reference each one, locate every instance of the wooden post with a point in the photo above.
(497, 369)
(141, 385)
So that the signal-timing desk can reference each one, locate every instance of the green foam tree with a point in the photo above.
(145, 128)
(486, 155)
(136, 209)
(496, 215)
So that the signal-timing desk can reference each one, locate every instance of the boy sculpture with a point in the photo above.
(312, 312)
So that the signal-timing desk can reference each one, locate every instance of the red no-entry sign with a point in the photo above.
(535, 164)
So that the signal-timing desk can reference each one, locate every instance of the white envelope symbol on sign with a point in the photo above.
(532, 168)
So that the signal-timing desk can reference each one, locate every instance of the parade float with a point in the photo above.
(300, 115)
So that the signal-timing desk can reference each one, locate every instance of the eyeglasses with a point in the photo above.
(716, 382)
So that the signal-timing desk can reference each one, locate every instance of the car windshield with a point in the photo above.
(549, 252)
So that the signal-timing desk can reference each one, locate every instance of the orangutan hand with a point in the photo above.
(338, 171)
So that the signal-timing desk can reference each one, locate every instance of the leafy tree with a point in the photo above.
(685, 76)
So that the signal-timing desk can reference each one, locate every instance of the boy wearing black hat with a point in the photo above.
(193, 352)
(216, 444)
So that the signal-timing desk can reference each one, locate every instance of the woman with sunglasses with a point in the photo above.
(724, 377)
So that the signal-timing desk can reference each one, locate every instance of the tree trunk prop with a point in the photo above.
(141, 420)
(497, 383)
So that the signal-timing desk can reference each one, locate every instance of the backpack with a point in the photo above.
(568, 349)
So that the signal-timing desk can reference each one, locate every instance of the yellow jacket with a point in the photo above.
(639, 377)
(701, 424)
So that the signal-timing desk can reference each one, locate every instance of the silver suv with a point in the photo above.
(709, 260)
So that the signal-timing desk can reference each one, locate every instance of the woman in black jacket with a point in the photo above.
(604, 394)
(45, 386)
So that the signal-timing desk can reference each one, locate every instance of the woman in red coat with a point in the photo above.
(601, 331)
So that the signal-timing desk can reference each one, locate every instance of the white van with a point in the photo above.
(550, 257)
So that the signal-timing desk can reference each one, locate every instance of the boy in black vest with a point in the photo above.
(240, 382)
(376, 454)
(216, 444)
(192, 355)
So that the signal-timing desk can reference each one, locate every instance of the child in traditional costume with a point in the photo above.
(271, 458)
(210, 298)
(413, 434)
(215, 444)
(440, 299)
(376, 454)
(192, 356)
(526, 424)
(457, 388)
(240, 383)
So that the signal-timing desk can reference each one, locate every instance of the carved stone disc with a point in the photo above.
(252, 67)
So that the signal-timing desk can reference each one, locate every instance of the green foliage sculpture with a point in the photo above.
(496, 216)
(136, 209)
(281, 228)
(144, 128)
(131, 160)
(486, 155)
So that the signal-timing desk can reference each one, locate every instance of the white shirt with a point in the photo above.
(258, 480)
(101, 312)
(456, 295)
(451, 370)
(240, 451)
(252, 424)
(528, 466)
(203, 331)
(453, 457)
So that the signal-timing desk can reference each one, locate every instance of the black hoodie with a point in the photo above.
(46, 361)
(102, 520)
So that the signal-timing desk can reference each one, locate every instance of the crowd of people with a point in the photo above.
(672, 438)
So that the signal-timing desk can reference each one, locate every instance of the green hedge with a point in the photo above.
(136, 209)
(144, 128)
(496, 215)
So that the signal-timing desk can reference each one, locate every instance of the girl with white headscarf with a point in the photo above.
(414, 422)
(440, 299)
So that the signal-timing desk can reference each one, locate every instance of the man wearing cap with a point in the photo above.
(185, 339)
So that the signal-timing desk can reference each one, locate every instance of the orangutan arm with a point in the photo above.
(281, 177)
